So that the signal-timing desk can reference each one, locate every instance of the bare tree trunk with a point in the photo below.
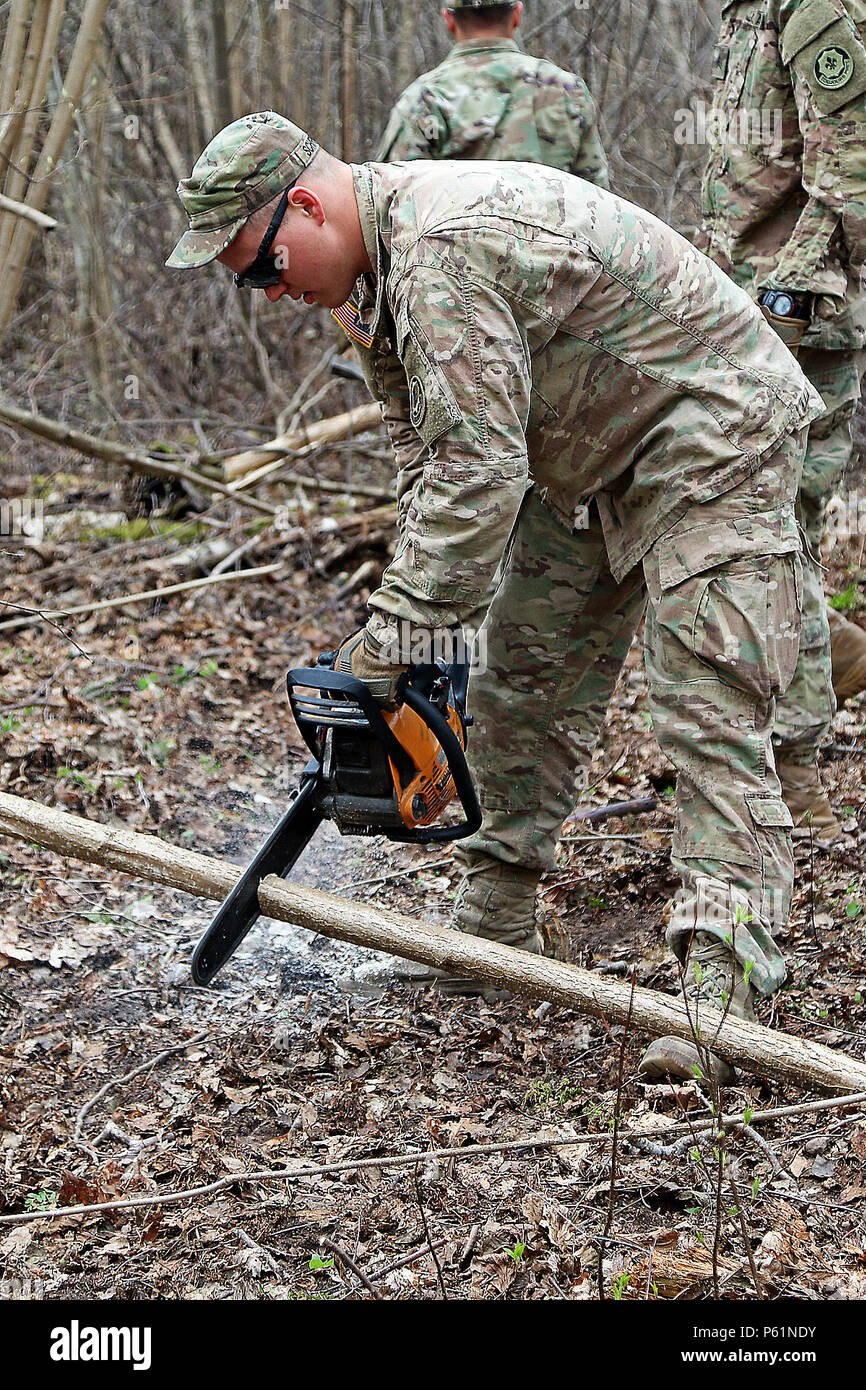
(289, 79)
(236, 26)
(406, 47)
(83, 197)
(198, 70)
(19, 136)
(167, 143)
(292, 76)
(220, 78)
(58, 133)
(14, 42)
(325, 124)
(348, 104)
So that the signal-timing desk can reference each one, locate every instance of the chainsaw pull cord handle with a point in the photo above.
(435, 677)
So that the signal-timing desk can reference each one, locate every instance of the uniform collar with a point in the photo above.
(484, 46)
(369, 290)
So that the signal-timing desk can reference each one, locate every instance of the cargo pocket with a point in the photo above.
(731, 593)
(852, 139)
(773, 824)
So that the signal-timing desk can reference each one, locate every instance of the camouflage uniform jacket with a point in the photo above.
(488, 100)
(526, 327)
(784, 194)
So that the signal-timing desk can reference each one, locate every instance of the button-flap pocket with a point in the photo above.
(809, 20)
(712, 543)
(721, 57)
(769, 812)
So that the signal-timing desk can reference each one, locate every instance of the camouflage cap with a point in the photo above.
(245, 165)
(480, 4)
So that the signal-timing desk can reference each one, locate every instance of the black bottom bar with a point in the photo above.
(240, 911)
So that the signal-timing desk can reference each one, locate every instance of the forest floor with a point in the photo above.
(170, 719)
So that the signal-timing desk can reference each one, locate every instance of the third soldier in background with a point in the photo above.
(784, 213)
(488, 100)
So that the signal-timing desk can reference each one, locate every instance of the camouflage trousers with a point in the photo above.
(804, 715)
(724, 587)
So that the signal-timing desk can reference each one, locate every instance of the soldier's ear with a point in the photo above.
(307, 202)
(516, 15)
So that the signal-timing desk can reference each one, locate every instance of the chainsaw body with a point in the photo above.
(372, 772)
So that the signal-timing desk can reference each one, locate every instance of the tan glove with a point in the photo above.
(354, 658)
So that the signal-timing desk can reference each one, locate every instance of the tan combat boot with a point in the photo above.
(808, 803)
(848, 649)
(497, 901)
(713, 977)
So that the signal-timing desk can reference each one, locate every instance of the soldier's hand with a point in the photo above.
(354, 658)
(788, 313)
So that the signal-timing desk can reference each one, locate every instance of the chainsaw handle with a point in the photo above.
(325, 678)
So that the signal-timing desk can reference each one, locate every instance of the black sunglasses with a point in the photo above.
(263, 270)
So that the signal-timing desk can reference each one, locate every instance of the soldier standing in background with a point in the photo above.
(488, 100)
(784, 213)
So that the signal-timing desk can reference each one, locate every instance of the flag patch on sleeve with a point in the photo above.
(348, 318)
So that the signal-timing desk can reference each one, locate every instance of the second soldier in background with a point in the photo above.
(489, 100)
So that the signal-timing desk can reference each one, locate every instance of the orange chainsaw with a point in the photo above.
(372, 772)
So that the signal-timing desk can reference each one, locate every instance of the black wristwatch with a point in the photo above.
(787, 304)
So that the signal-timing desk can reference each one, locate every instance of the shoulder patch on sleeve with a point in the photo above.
(417, 402)
(834, 66)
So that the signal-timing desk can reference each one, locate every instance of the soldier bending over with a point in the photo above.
(572, 389)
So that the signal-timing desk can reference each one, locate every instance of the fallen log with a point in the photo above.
(749, 1045)
(363, 417)
(136, 462)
